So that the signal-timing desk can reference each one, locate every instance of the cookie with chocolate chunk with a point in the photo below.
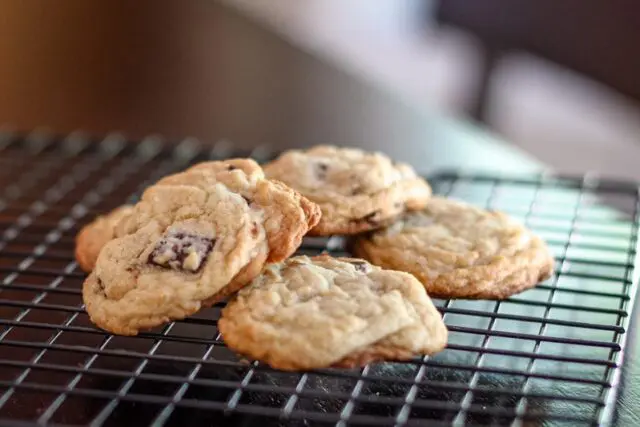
(309, 313)
(192, 239)
(357, 191)
(93, 236)
(460, 251)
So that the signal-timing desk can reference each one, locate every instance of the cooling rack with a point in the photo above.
(549, 356)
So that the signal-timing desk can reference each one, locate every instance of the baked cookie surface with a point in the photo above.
(460, 251)
(194, 238)
(93, 236)
(356, 190)
(308, 313)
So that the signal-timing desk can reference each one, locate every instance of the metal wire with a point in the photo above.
(549, 355)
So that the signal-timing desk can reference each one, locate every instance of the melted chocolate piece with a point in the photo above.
(100, 284)
(181, 251)
(356, 190)
(371, 218)
(321, 170)
(231, 168)
(361, 266)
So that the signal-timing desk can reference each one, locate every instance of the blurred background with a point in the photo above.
(555, 81)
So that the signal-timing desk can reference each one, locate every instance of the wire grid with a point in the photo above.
(550, 355)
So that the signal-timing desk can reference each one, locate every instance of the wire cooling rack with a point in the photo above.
(549, 356)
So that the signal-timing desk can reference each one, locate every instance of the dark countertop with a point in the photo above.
(199, 69)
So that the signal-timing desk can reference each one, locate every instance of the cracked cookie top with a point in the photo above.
(93, 236)
(356, 190)
(308, 313)
(460, 251)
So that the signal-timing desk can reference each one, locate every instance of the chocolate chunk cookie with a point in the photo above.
(460, 251)
(309, 313)
(356, 190)
(194, 238)
(93, 236)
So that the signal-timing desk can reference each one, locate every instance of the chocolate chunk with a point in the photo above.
(321, 170)
(100, 289)
(361, 266)
(231, 168)
(181, 251)
(371, 218)
(246, 199)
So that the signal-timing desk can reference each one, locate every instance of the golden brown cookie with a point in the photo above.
(194, 238)
(309, 313)
(93, 236)
(460, 251)
(357, 191)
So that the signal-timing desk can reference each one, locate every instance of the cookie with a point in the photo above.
(356, 190)
(309, 313)
(460, 251)
(93, 236)
(194, 238)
